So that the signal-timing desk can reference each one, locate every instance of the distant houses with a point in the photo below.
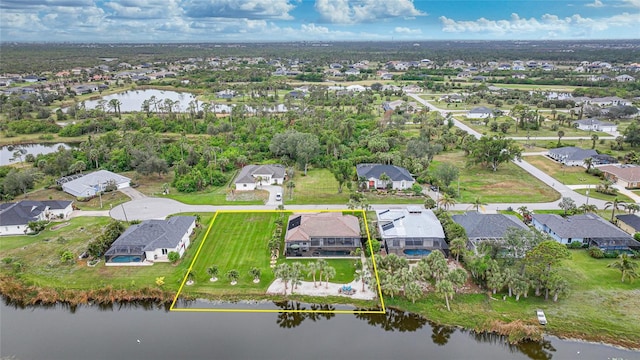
(571, 155)
(90, 184)
(255, 175)
(480, 113)
(487, 227)
(626, 175)
(151, 241)
(397, 178)
(15, 217)
(322, 234)
(411, 232)
(593, 124)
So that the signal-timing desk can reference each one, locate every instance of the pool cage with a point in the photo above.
(125, 253)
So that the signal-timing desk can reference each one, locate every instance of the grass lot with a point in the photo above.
(568, 175)
(545, 129)
(40, 255)
(320, 187)
(598, 307)
(597, 195)
(509, 184)
(109, 199)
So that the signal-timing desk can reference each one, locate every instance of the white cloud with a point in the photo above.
(406, 30)
(144, 9)
(347, 12)
(251, 9)
(595, 4)
(548, 22)
(633, 3)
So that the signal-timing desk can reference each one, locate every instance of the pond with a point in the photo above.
(132, 100)
(148, 331)
(10, 154)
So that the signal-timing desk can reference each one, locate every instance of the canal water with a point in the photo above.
(15, 153)
(146, 331)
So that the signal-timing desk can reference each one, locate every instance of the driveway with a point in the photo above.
(132, 193)
(273, 190)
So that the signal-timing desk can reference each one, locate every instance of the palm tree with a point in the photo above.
(588, 208)
(632, 208)
(615, 204)
(297, 270)
(213, 273)
(413, 291)
(233, 276)
(458, 278)
(626, 266)
(390, 285)
(312, 269)
(594, 138)
(560, 135)
(329, 273)
(274, 247)
(384, 178)
(291, 185)
(322, 266)
(446, 201)
(457, 247)
(588, 162)
(477, 204)
(445, 288)
(283, 272)
(191, 278)
(255, 272)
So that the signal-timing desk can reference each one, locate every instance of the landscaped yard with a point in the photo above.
(568, 175)
(598, 195)
(109, 200)
(545, 130)
(598, 306)
(507, 185)
(41, 264)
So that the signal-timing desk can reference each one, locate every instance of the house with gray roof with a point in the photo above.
(630, 223)
(487, 227)
(399, 177)
(15, 217)
(87, 185)
(593, 124)
(257, 175)
(589, 229)
(480, 112)
(322, 234)
(411, 232)
(571, 155)
(151, 241)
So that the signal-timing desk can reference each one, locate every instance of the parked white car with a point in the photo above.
(542, 319)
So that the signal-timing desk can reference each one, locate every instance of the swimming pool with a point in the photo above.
(416, 252)
(126, 258)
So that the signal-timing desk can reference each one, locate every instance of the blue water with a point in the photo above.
(126, 259)
(417, 252)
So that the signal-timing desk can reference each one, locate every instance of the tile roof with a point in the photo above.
(629, 173)
(395, 173)
(487, 225)
(330, 224)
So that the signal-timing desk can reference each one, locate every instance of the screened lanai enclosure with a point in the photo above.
(125, 254)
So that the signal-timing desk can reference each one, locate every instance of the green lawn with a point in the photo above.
(597, 195)
(568, 175)
(219, 196)
(40, 255)
(236, 241)
(509, 184)
(109, 200)
(545, 130)
(598, 306)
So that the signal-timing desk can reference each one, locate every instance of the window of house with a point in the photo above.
(396, 243)
(164, 251)
(315, 242)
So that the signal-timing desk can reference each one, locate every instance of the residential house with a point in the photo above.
(625, 175)
(609, 101)
(252, 175)
(487, 227)
(412, 232)
(15, 217)
(226, 94)
(625, 78)
(151, 241)
(356, 88)
(571, 155)
(322, 234)
(412, 89)
(399, 177)
(593, 124)
(629, 223)
(588, 229)
(87, 185)
(480, 112)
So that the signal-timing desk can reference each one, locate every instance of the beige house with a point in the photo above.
(322, 234)
(623, 174)
(629, 223)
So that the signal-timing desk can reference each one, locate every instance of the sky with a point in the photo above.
(141, 21)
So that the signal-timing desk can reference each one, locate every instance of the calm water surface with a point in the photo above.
(8, 153)
(113, 333)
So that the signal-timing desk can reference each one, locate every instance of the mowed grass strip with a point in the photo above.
(598, 195)
(568, 175)
(509, 184)
(237, 241)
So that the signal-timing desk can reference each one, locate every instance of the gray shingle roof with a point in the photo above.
(153, 234)
(573, 153)
(247, 173)
(481, 110)
(94, 181)
(395, 173)
(487, 225)
(593, 121)
(631, 220)
(587, 226)
(23, 212)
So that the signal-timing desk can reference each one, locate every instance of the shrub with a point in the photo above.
(173, 256)
(637, 236)
(575, 245)
(611, 254)
(596, 253)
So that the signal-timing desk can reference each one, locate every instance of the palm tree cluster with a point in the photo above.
(294, 273)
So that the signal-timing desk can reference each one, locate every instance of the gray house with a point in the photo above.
(90, 184)
(571, 155)
(589, 229)
(593, 124)
(400, 178)
(411, 232)
(15, 217)
(251, 175)
(151, 241)
(487, 227)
